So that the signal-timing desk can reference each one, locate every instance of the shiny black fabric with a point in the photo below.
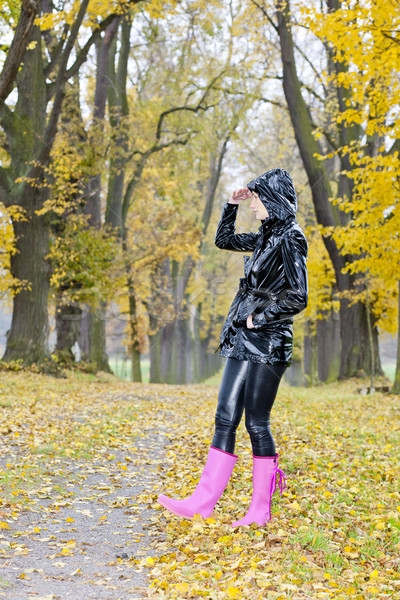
(251, 387)
(274, 287)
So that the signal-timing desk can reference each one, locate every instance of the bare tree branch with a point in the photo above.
(298, 49)
(194, 109)
(56, 52)
(310, 63)
(51, 128)
(215, 174)
(266, 15)
(389, 37)
(132, 183)
(254, 96)
(64, 74)
(17, 49)
(82, 55)
(395, 147)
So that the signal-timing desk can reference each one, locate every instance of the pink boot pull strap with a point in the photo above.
(282, 480)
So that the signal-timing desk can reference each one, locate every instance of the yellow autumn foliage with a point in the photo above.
(9, 285)
(364, 41)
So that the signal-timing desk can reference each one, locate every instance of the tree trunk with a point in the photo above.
(96, 343)
(136, 372)
(182, 349)
(356, 354)
(310, 354)
(370, 344)
(328, 342)
(119, 110)
(169, 353)
(97, 337)
(83, 340)
(155, 353)
(17, 47)
(68, 320)
(205, 366)
(353, 323)
(69, 316)
(198, 366)
(396, 383)
(27, 338)
(294, 375)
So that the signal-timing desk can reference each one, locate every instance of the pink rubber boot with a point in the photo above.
(213, 481)
(265, 470)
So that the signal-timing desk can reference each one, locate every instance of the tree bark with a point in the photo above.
(27, 338)
(68, 316)
(118, 108)
(205, 363)
(396, 383)
(328, 341)
(17, 48)
(294, 375)
(68, 319)
(354, 333)
(310, 354)
(168, 353)
(136, 372)
(155, 353)
(183, 348)
(198, 358)
(96, 342)
(97, 337)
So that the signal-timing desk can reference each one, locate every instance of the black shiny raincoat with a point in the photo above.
(274, 287)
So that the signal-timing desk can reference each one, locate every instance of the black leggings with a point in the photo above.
(251, 387)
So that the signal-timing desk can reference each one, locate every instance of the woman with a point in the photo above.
(257, 340)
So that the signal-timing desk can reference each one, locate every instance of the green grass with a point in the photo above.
(121, 367)
(215, 379)
(83, 440)
(389, 369)
(313, 538)
(16, 482)
(4, 583)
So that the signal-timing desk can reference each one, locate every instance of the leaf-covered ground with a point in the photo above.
(82, 463)
(78, 463)
(335, 532)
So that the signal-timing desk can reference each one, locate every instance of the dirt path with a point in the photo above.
(90, 528)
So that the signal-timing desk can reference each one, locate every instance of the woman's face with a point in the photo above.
(258, 207)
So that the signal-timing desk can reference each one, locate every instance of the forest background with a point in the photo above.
(124, 128)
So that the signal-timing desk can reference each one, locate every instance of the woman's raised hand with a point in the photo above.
(240, 194)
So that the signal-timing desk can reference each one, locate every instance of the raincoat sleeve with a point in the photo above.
(226, 238)
(293, 297)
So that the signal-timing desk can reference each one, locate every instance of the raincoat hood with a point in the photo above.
(276, 191)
